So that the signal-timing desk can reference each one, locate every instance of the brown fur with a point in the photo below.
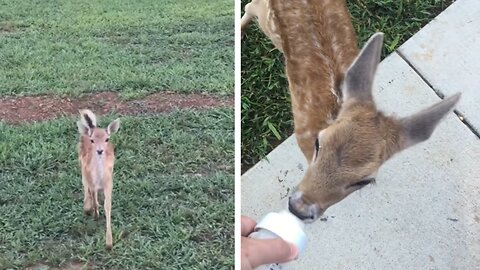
(352, 149)
(319, 44)
(330, 84)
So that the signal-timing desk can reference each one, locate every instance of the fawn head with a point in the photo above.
(349, 152)
(99, 137)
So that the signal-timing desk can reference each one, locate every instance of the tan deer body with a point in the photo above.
(97, 157)
(319, 44)
(338, 128)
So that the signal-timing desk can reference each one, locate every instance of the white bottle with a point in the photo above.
(284, 225)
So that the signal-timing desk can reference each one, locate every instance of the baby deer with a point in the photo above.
(96, 155)
(343, 136)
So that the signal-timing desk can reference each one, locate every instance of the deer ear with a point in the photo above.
(113, 126)
(88, 118)
(82, 129)
(359, 76)
(420, 126)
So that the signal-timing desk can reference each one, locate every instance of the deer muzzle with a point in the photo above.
(305, 211)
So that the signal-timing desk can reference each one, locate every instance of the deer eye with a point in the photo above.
(91, 140)
(362, 183)
(106, 140)
(317, 147)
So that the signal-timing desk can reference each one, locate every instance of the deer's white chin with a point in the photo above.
(309, 220)
(316, 215)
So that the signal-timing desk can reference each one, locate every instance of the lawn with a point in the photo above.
(173, 195)
(266, 114)
(172, 199)
(134, 48)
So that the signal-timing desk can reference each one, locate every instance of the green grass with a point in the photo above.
(76, 46)
(266, 114)
(173, 205)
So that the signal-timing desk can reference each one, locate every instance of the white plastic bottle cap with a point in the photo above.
(286, 226)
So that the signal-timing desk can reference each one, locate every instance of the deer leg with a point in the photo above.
(87, 200)
(258, 9)
(247, 16)
(108, 207)
(261, 10)
(94, 195)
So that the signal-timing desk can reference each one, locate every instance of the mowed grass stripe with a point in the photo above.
(135, 48)
(172, 199)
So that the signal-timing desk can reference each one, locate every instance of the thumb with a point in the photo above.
(265, 251)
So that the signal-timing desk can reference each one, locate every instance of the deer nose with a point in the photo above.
(99, 152)
(298, 209)
(304, 211)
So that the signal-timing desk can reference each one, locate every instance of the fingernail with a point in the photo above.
(293, 252)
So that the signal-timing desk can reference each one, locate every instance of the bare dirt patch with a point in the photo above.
(16, 110)
(7, 27)
(73, 265)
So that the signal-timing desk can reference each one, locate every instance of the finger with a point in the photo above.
(248, 225)
(265, 251)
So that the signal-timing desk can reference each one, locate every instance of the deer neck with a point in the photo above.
(98, 165)
(319, 44)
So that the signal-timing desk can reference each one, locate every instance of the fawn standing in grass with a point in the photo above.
(343, 136)
(96, 155)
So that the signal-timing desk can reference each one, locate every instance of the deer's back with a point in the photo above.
(319, 44)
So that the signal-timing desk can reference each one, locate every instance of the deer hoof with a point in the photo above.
(95, 214)
(87, 211)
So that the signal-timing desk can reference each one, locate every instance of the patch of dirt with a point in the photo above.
(7, 27)
(72, 265)
(75, 265)
(38, 266)
(15, 110)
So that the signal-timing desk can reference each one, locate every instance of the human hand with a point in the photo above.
(256, 252)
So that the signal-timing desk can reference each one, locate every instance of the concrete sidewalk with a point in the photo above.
(424, 211)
